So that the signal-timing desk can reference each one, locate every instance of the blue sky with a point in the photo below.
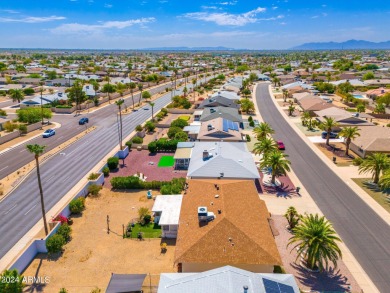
(134, 24)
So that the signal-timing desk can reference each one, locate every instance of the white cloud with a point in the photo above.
(274, 7)
(227, 3)
(209, 7)
(107, 5)
(227, 18)
(76, 28)
(32, 19)
(11, 11)
(314, 17)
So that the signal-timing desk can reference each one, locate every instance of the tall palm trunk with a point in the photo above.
(120, 123)
(347, 143)
(327, 137)
(140, 97)
(41, 195)
(132, 98)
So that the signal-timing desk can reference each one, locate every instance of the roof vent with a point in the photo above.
(245, 289)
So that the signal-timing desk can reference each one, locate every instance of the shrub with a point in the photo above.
(93, 176)
(250, 118)
(9, 126)
(138, 128)
(106, 171)
(173, 130)
(62, 219)
(55, 243)
(164, 111)
(388, 125)
(147, 219)
(357, 161)
(129, 144)
(181, 136)
(175, 186)
(76, 206)
(137, 140)
(152, 147)
(143, 212)
(22, 128)
(112, 163)
(94, 190)
(248, 138)
(150, 126)
(179, 123)
(28, 91)
(252, 123)
(3, 113)
(11, 281)
(65, 230)
(33, 115)
(63, 107)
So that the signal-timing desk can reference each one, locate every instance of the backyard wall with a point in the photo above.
(180, 111)
(16, 133)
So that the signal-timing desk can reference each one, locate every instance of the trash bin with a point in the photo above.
(334, 160)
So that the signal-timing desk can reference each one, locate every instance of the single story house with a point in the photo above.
(210, 113)
(314, 104)
(183, 155)
(374, 93)
(166, 211)
(353, 82)
(226, 94)
(380, 82)
(59, 82)
(344, 118)
(219, 129)
(46, 99)
(226, 279)
(222, 160)
(30, 80)
(89, 90)
(373, 139)
(224, 222)
(218, 101)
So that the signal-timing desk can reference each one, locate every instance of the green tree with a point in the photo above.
(132, 86)
(108, 89)
(278, 163)
(385, 99)
(327, 125)
(265, 146)
(38, 150)
(306, 117)
(361, 108)
(380, 108)
(146, 95)
(33, 115)
(316, 241)
(173, 130)
(247, 105)
(51, 74)
(140, 88)
(368, 75)
(150, 126)
(263, 130)
(181, 136)
(152, 105)
(292, 217)
(291, 110)
(349, 133)
(76, 94)
(375, 164)
(384, 181)
(119, 103)
(16, 286)
(16, 95)
(345, 87)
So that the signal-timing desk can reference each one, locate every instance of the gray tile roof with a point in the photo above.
(232, 159)
(219, 100)
(225, 279)
(224, 112)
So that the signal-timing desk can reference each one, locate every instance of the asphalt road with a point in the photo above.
(18, 157)
(362, 230)
(20, 210)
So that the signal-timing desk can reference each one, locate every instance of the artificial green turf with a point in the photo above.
(185, 118)
(166, 161)
(151, 230)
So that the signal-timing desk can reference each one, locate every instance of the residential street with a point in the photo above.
(363, 231)
(20, 210)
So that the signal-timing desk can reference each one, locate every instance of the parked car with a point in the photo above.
(331, 135)
(280, 145)
(83, 120)
(48, 133)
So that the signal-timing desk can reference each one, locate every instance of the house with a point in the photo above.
(219, 101)
(3, 120)
(342, 117)
(374, 93)
(353, 82)
(192, 130)
(227, 94)
(373, 139)
(183, 155)
(30, 80)
(89, 90)
(231, 114)
(46, 99)
(224, 222)
(220, 129)
(222, 160)
(227, 279)
(59, 82)
(166, 210)
(379, 82)
(314, 104)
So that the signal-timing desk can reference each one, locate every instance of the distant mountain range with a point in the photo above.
(347, 45)
(190, 49)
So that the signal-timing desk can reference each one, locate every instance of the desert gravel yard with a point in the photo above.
(92, 254)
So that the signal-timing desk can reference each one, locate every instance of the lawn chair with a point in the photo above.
(149, 194)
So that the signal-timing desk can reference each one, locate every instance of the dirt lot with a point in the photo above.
(339, 153)
(92, 254)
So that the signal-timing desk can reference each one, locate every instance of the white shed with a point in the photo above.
(166, 211)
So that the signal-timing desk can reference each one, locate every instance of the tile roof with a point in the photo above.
(218, 131)
(240, 234)
(373, 139)
(225, 112)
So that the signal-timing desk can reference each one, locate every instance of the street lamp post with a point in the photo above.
(41, 90)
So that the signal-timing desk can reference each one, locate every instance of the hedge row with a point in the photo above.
(162, 145)
(174, 186)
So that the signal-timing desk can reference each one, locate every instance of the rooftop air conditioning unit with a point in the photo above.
(204, 215)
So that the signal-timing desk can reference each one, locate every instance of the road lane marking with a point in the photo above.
(30, 209)
(60, 137)
(4, 168)
(49, 178)
(23, 150)
(10, 209)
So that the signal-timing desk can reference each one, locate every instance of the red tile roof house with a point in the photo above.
(224, 222)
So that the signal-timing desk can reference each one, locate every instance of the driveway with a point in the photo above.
(319, 139)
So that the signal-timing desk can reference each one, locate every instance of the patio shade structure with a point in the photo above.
(121, 283)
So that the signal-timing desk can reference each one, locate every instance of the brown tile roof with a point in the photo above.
(314, 104)
(373, 139)
(244, 219)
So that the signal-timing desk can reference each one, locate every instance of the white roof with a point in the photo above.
(169, 206)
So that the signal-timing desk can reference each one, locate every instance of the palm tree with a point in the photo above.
(140, 87)
(16, 95)
(37, 150)
(132, 86)
(316, 241)
(263, 130)
(276, 160)
(291, 110)
(384, 181)
(265, 146)
(292, 217)
(375, 164)
(306, 117)
(285, 94)
(380, 108)
(152, 105)
(349, 133)
(361, 108)
(327, 125)
(119, 104)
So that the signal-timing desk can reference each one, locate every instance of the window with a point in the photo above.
(173, 228)
(165, 228)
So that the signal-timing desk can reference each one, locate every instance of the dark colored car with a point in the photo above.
(83, 120)
(331, 135)
(280, 145)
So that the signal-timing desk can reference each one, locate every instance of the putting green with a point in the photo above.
(166, 161)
